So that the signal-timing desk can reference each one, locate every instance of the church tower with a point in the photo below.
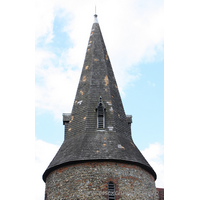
(98, 158)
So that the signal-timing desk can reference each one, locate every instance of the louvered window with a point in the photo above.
(100, 109)
(100, 116)
(111, 191)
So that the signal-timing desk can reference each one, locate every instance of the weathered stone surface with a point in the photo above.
(89, 181)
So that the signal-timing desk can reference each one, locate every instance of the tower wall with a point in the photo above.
(89, 180)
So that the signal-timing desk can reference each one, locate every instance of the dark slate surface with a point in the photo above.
(83, 141)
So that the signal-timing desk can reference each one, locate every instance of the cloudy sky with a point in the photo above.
(42, 52)
(133, 32)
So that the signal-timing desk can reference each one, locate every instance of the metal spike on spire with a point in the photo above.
(95, 16)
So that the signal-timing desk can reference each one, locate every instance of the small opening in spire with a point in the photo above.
(100, 114)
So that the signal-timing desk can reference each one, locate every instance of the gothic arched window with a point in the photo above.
(111, 191)
(100, 114)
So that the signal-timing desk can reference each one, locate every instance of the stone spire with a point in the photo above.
(98, 128)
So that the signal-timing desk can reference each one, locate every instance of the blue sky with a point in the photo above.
(144, 101)
(139, 26)
(134, 36)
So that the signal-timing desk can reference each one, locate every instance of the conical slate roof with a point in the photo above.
(84, 141)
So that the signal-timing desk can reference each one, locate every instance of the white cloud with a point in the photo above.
(44, 153)
(132, 31)
(153, 155)
(151, 84)
(44, 19)
(56, 87)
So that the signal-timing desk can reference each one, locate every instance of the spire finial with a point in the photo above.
(95, 12)
(95, 16)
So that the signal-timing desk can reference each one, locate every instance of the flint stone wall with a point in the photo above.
(89, 181)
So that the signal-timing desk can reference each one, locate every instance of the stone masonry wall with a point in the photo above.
(89, 181)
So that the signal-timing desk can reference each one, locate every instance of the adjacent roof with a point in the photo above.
(160, 193)
(84, 142)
